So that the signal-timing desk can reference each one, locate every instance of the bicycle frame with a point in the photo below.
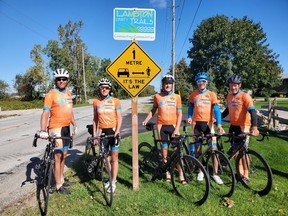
(178, 153)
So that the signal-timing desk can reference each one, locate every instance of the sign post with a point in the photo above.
(133, 69)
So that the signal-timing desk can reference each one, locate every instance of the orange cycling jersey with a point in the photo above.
(202, 105)
(238, 106)
(60, 104)
(167, 105)
(106, 111)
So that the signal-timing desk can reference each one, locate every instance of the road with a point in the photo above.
(18, 158)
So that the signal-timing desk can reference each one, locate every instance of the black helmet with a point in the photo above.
(168, 79)
(235, 79)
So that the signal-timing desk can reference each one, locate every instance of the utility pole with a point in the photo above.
(84, 79)
(173, 42)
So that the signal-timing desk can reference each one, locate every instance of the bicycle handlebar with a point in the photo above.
(51, 138)
(102, 137)
(244, 135)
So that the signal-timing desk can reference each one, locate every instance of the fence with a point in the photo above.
(273, 118)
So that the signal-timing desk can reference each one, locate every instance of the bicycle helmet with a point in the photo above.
(235, 79)
(60, 73)
(201, 75)
(104, 81)
(168, 79)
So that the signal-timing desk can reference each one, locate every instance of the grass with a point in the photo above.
(158, 198)
(282, 103)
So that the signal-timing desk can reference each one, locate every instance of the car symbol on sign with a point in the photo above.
(123, 71)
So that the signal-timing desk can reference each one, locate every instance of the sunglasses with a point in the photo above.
(61, 79)
(105, 87)
(201, 81)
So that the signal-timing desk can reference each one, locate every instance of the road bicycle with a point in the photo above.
(97, 163)
(260, 174)
(215, 162)
(183, 168)
(46, 181)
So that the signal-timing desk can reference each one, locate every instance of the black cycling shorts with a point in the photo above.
(201, 127)
(110, 141)
(237, 130)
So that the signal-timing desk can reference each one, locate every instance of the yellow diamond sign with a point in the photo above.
(133, 69)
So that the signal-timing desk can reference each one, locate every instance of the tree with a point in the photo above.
(34, 76)
(181, 76)
(4, 86)
(223, 47)
(68, 53)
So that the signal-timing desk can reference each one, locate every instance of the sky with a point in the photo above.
(28, 22)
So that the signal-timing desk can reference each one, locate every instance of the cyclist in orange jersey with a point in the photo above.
(168, 118)
(202, 104)
(242, 115)
(107, 121)
(58, 106)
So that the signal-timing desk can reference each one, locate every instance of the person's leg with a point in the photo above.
(245, 161)
(57, 171)
(164, 147)
(114, 164)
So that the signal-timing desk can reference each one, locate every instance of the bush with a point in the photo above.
(279, 94)
(20, 105)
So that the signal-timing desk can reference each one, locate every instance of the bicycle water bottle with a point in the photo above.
(192, 149)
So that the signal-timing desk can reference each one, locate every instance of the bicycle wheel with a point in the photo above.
(90, 159)
(42, 192)
(217, 163)
(194, 191)
(106, 179)
(44, 185)
(148, 160)
(260, 174)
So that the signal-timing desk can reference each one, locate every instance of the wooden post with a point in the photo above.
(269, 112)
(135, 171)
(275, 122)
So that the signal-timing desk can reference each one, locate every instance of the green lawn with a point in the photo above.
(158, 198)
(283, 103)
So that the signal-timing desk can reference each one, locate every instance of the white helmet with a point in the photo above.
(60, 73)
(104, 81)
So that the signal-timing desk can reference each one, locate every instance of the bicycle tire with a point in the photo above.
(194, 191)
(224, 171)
(41, 192)
(260, 174)
(148, 160)
(90, 159)
(105, 171)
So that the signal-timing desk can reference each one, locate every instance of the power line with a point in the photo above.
(189, 29)
(183, 5)
(31, 19)
(25, 26)
(165, 38)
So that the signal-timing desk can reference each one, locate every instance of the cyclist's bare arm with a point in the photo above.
(95, 127)
(149, 116)
(178, 123)
(44, 120)
(119, 122)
